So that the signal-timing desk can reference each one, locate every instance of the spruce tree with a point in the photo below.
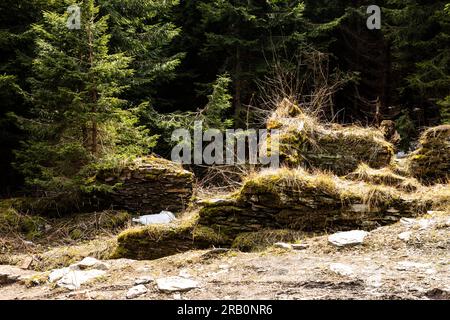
(78, 123)
(143, 29)
(420, 35)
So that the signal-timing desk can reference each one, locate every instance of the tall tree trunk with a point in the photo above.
(94, 96)
(238, 84)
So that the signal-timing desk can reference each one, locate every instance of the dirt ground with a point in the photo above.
(383, 267)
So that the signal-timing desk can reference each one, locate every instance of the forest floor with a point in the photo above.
(383, 267)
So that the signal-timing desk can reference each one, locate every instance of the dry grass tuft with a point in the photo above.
(384, 176)
(431, 162)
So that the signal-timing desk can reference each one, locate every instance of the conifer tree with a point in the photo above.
(143, 29)
(78, 123)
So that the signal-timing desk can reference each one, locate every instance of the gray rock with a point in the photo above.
(136, 291)
(408, 221)
(174, 284)
(90, 263)
(162, 218)
(282, 245)
(144, 280)
(348, 238)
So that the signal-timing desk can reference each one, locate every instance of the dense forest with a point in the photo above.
(224, 149)
(76, 100)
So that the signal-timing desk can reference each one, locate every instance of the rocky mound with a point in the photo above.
(431, 162)
(150, 185)
(305, 141)
(284, 199)
(297, 200)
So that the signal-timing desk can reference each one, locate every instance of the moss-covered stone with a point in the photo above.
(431, 162)
(156, 241)
(297, 200)
(148, 186)
(293, 202)
(303, 140)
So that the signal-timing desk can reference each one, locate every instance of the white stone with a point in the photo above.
(163, 217)
(144, 280)
(73, 279)
(405, 236)
(341, 269)
(407, 221)
(348, 238)
(359, 207)
(57, 274)
(173, 284)
(136, 291)
(282, 245)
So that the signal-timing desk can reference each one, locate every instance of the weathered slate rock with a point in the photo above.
(156, 241)
(136, 291)
(73, 279)
(348, 238)
(75, 275)
(148, 186)
(297, 200)
(275, 205)
(174, 284)
(305, 141)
